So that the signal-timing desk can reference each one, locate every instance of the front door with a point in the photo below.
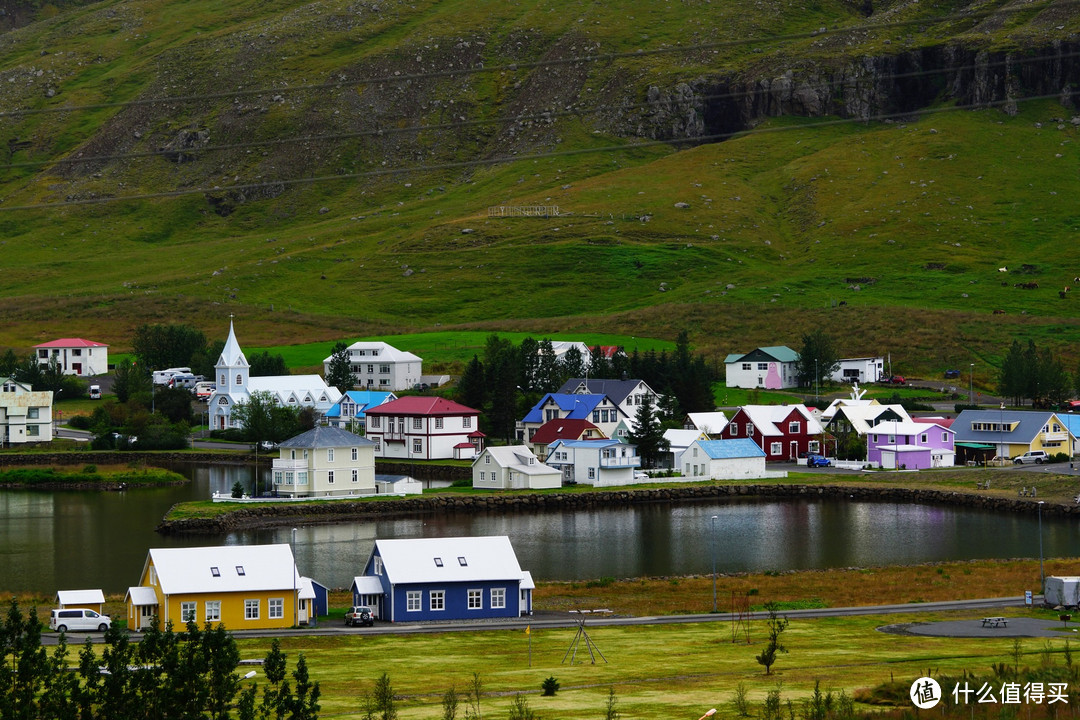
(794, 450)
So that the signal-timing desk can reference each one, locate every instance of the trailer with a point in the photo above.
(1062, 591)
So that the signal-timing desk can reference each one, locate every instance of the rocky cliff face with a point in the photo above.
(865, 89)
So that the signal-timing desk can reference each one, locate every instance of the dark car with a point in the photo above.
(952, 374)
(359, 616)
(813, 460)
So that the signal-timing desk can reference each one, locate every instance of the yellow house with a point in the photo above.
(245, 587)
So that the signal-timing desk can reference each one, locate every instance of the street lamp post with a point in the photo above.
(713, 526)
(971, 385)
(296, 598)
(1042, 577)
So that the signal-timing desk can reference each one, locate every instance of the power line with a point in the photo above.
(537, 116)
(513, 67)
(512, 158)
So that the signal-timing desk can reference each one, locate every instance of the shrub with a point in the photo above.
(237, 490)
(79, 422)
(550, 686)
(90, 469)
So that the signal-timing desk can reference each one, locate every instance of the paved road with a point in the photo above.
(597, 619)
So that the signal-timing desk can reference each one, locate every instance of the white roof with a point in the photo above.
(891, 427)
(141, 596)
(386, 352)
(462, 559)
(231, 354)
(298, 385)
(517, 457)
(307, 590)
(79, 597)
(682, 439)
(863, 417)
(710, 422)
(764, 417)
(835, 405)
(191, 570)
(367, 585)
(527, 581)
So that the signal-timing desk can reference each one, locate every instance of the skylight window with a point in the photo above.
(215, 572)
(461, 561)
(438, 562)
(240, 570)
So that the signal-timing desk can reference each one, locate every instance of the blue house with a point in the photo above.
(600, 410)
(460, 578)
(350, 410)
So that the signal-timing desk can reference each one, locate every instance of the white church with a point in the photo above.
(235, 385)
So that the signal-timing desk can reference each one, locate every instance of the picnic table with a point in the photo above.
(995, 622)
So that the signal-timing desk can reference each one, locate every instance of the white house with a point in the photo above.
(424, 427)
(864, 370)
(378, 366)
(513, 467)
(706, 422)
(75, 356)
(235, 385)
(678, 441)
(771, 368)
(325, 461)
(600, 463)
(25, 414)
(739, 459)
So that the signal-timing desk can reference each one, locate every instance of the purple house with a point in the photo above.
(894, 444)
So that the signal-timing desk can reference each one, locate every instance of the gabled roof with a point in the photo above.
(71, 343)
(765, 418)
(892, 427)
(191, 570)
(417, 560)
(231, 354)
(863, 417)
(517, 457)
(617, 390)
(1027, 424)
(564, 428)
(386, 352)
(708, 421)
(363, 399)
(828, 413)
(79, 597)
(779, 353)
(678, 438)
(943, 421)
(430, 405)
(729, 449)
(576, 407)
(322, 436)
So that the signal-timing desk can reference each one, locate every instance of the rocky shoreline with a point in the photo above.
(347, 511)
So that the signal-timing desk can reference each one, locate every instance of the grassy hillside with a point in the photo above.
(314, 195)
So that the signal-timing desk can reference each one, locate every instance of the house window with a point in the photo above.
(794, 427)
(355, 454)
(747, 366)
(32, 413)
(498, 598)
(377, 565)
(240, 570)
(945, 438)
(763, 366)
(596, 416)
(749, 429)
(330, 477)
(776, 448)
(32, 430)
(417, 446)
(892, 439)
(222, 381)
(370, 369)
(384, 369)
(301, 478)
(277, 608)
(437, 600)
(239, 379)
(412, 600)
(187, 611)
(417, 423)
(213, 611)
(592, 473)
(438, 423)
(813, 446)
(215, 572)
(476, 599)
(355, 475)
(376, 422)
(329, 454)
(462, 561)
(466, 422)
(378, 445)
(251, 609)
(875, 437)
(277, 477)
(734, 429)
(438, 562)
(924, 438)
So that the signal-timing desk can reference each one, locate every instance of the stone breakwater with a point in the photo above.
(348, 511)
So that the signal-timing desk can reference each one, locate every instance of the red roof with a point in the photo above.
(607, 351)
(71, 342)
(943, 422)
(561, 429)
(421, 405)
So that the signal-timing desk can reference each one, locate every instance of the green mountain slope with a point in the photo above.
(744, 170)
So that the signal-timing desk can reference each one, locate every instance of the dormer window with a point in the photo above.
(240, 570)
(215, 572)
(438, 562)
(461, 561)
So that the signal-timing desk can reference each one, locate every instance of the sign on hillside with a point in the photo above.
(497, 211)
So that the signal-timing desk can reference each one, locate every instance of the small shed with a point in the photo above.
(321, 604)
(1062, 590)
(85, 599)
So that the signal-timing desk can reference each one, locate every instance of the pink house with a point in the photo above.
(910, 445)
(422, 427)
(781, 431)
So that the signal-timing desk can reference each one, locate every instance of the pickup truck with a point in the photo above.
(359, 615)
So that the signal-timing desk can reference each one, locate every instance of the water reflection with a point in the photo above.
(73, 539)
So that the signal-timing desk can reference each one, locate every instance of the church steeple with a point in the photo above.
(232, 367)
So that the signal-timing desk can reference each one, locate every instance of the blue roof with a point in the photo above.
(1071, 421)
(727, 449)
(363, 399)
(576, 407)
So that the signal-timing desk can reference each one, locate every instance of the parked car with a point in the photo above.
(95, 392)
(813, 460)
(78, 619)
(952, 374)
(896, 380)
(359, 615)
(641, 475)
(267, 445)
(1031, 456)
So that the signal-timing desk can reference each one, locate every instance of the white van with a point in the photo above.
(162, 377)
(78, 619)
(95, 392)
(204, 389)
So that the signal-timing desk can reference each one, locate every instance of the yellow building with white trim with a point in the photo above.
(244, 587)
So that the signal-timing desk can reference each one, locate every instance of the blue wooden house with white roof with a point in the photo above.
(458, 578)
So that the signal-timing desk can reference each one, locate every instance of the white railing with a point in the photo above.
(288, 464)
